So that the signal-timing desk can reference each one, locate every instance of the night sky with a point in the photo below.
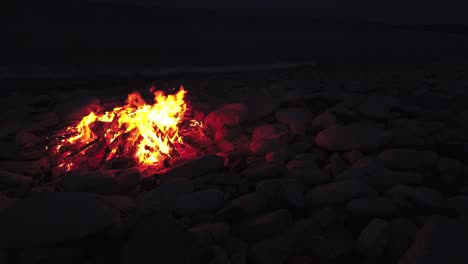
(160, 33)
(399, 11)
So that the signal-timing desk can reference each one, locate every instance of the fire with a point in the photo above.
(145, 132)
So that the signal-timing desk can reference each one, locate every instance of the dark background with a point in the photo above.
(59, 35)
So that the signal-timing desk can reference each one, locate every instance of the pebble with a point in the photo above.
(373, 239)
(198, 202)
(261, 226)
(219, 256)
(401, 234)
(297, 119)
(241, 206)
(93, 183)
(337, 164)
(209, 234)
(50, 218)
(307, 172)
(279, 191)
(352, 137)
(323, 121)
(338, 192)
(236, 249)
(228, 115)
(161, 235)
(263, 171)
(372, 206)
(420, 196)
(408, 159)
(440, 240)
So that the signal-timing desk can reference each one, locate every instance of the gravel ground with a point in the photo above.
(324, 164)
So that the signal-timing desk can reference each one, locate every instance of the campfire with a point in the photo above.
(138, 134)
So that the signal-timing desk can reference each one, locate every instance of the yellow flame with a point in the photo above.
(151, 129)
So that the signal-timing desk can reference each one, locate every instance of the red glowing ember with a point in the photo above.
(146, 134)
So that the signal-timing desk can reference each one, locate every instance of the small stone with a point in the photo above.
(209, 234)
(408, 159)
(353, 156)
(307, 172)
(332, 243)
(197, 168)
(51, 218)
(269, 132)
(458, 203)
(261, 226)
(162, 197)
(449, 169)
(263, 170)
(440, 240)
(374, 238)
(128, 179)
(14, 179)
(228, 133)
(261, 147)
(226, 178)
(244, 205)
(159, 234)
(199, 202)
(323, 121)
(352, 137)
(373, 206)
(276, 249)
(297, 119)
(278, 157)
(227, 115)
(401, 234)
(279, 191)
(54, 254)
(236, 249)
(338, 192)
(92, 183)
(337, 164)
(219, 256)
(419, 196)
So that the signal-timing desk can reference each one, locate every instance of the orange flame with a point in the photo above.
(149, 131)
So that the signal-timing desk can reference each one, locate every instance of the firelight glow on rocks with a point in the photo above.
(144, 131)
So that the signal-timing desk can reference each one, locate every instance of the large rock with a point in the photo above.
(162, 238)
(352, 137)
(338, 192)
(441, 240)
(49, 218)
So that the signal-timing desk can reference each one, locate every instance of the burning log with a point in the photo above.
(147, 133)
